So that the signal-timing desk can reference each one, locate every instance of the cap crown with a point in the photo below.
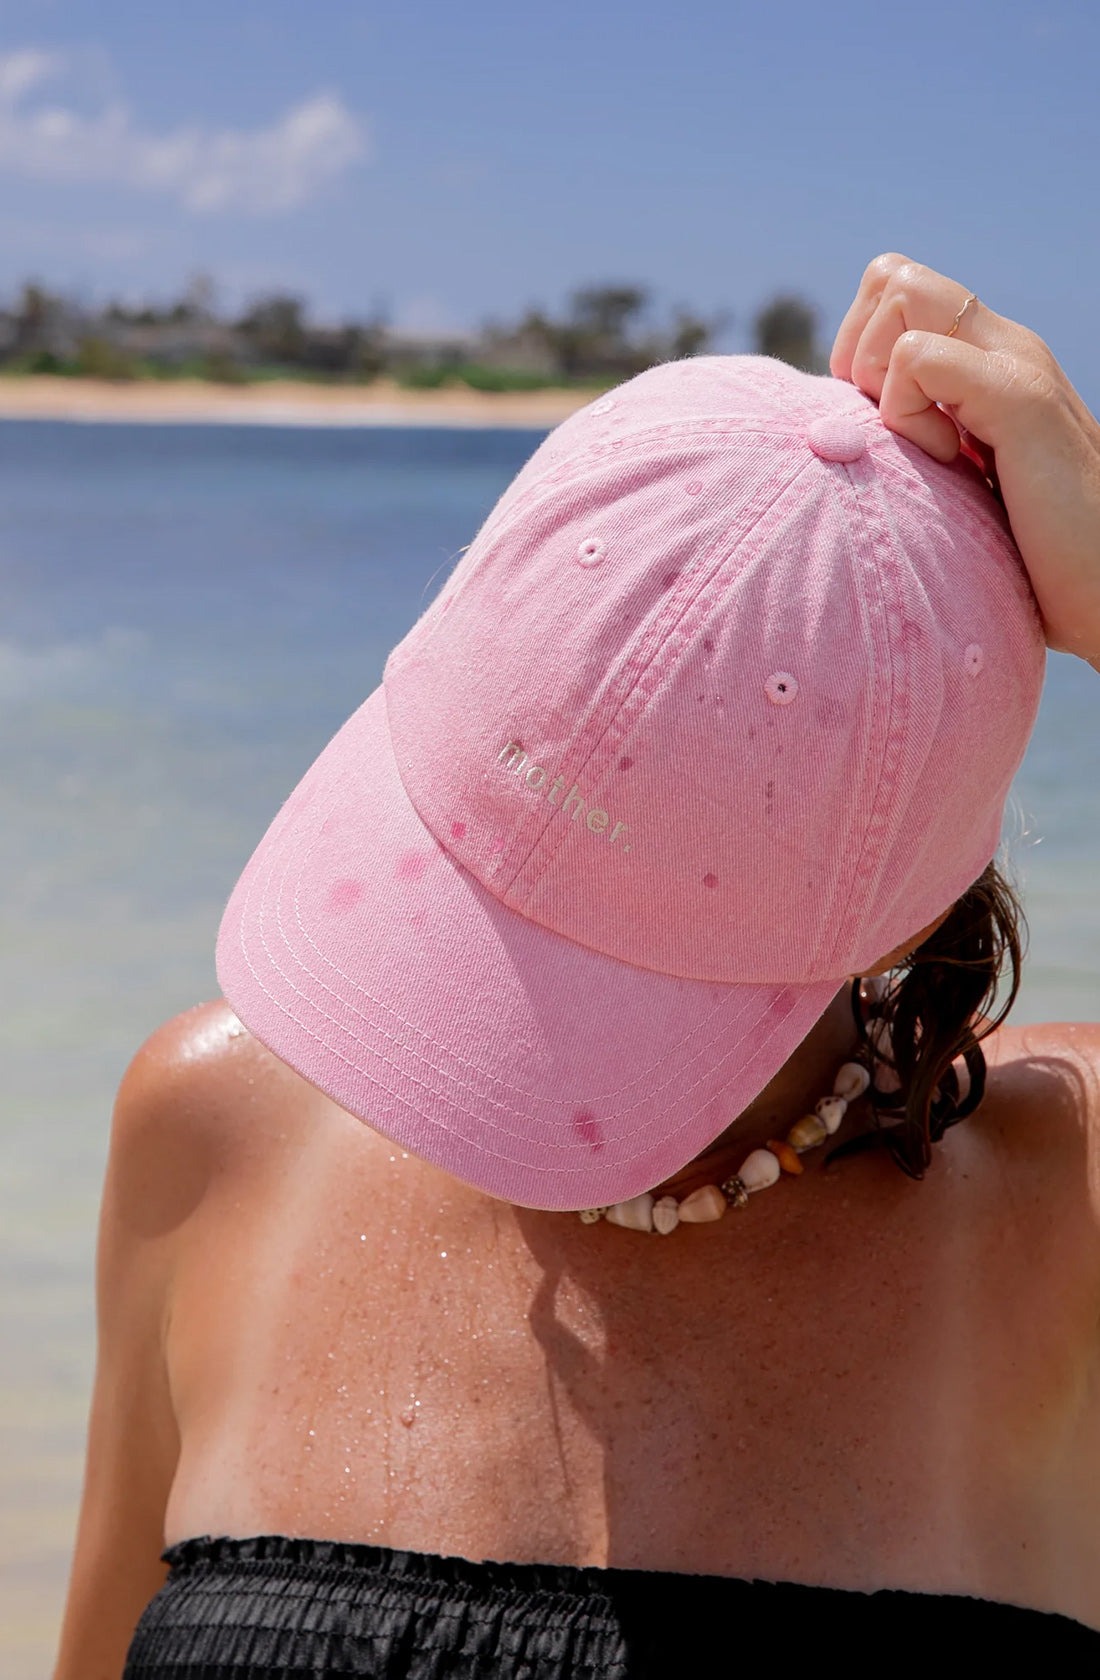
(732, 683)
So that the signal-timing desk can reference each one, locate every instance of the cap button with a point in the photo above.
(836, 438)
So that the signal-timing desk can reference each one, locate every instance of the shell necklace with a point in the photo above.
(761, 1167)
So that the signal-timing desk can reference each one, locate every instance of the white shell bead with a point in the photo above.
(591, 1216)
(666, 1215)
(807, 1133)
(636, 1214)
(702, 1206)
(758, 1170)
(851, 1081)
(831, 1111)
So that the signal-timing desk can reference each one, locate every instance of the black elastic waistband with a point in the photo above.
(274, 1554)
(274, 1607)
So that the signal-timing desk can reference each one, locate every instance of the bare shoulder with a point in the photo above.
(197, 1110)
(201, 1095)
(1052, 1060)
(199, 1064)
(1043, 1102)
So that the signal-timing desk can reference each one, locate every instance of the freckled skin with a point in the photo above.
(859, 1381)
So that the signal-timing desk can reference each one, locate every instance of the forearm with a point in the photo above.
(116, 1562)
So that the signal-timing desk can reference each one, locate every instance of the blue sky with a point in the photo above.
(454, 162)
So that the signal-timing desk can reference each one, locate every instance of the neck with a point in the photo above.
(803, 1078)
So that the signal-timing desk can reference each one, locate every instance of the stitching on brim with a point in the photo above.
(404, 1072)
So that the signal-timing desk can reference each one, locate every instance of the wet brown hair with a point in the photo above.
(936, 1007)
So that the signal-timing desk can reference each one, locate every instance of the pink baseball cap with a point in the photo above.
(722, 705)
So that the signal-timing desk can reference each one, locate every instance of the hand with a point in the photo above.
(1017, 414)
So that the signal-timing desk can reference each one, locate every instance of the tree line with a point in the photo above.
(604, 334)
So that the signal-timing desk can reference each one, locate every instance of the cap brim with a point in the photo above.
(542, 1072)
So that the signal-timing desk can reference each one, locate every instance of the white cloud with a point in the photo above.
(19, 71)
(259, 170)
(65, 669)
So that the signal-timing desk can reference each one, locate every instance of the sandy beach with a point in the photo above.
(280, 403)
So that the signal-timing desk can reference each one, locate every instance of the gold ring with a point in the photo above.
(973, 298)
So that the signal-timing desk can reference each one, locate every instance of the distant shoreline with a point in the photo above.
(280, 403)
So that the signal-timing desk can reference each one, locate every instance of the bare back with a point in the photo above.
(865, 1382)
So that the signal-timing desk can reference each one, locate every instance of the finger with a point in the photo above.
(981, 389)
(907, 409)
(982, 455)
(917, 299)
(875, 278)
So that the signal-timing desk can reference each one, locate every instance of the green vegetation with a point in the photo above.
(787, 329)
(606, 334)
(481, 377)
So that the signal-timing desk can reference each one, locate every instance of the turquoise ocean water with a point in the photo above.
(187, 613)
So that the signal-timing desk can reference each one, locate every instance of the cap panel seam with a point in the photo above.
(982, 526)
(529, 502)
(615, 712)
(879, 554)
(627, 445)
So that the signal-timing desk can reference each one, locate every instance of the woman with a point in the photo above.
(395, 1362)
